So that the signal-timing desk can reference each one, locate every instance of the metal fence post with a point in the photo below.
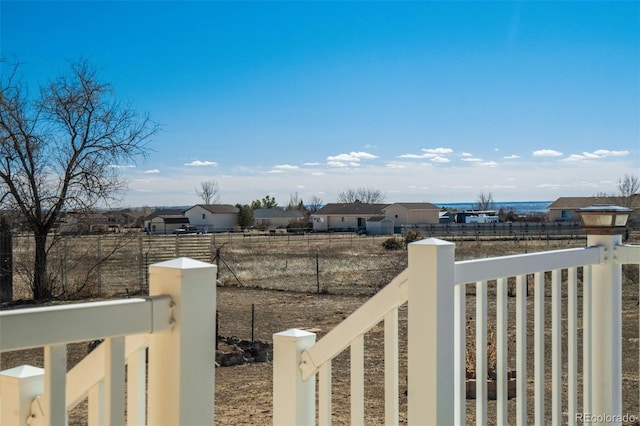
(182, 360)
(431, 332)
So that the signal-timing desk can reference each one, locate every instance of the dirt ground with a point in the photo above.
(244, 393)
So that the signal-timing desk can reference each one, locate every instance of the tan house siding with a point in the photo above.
(566, 208)
(343, 217)
(213, 217)
(412, 213)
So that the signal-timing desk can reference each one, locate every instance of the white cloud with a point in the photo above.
(198, 163)
(352, 157)
(466, 154)
(595, 155)
(285, 167)
(511, 157)
(414, 156)
(607, 153)
(438, 159)
(547, 153)
(488, 164)
(311, 164)
(575, 157)
(151, 171)
(472, 160)
(435, 154)
(122, 166)
(438, 151)
(395, 166)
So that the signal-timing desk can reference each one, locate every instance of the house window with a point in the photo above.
(343, 218)
(566, 214)
(203, 215)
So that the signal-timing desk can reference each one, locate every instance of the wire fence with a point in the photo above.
(117, 264)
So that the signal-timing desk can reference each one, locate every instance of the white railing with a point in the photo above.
(177, 325)
(435, 287)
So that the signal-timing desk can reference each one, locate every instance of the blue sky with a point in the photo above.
(427, 101)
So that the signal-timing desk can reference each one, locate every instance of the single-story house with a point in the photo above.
(412, 214)
(345, 216)
(83, 222)
(566, 208)
(213, 217)
(276, 218)
(379, 225)
(167, 223)
(160, 212)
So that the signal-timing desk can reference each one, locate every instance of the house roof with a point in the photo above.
(216, 208)
(572, 203)
(172, 218)
(378, 219)
(276, 213)
(415, 206)
(363, 209)
(160, 212)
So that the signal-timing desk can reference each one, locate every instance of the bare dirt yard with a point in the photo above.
(244, 392)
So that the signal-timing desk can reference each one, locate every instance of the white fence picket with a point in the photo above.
(556, 347)
(357, 381)
(481, 352)
(522, 291)
(539, 347)
(391, 394)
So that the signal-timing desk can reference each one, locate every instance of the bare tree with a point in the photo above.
(485, 201)
(315, 203)
(628, 186)
(209, 191)
(60, 151)
(361, 194)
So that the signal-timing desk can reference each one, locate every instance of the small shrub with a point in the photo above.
(392, 243)
(412, 236)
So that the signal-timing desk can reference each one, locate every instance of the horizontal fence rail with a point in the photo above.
(81, 322)
(171, 333)
(555, 278)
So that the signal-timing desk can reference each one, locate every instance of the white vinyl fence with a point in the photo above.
(177, 325)
(435, 287)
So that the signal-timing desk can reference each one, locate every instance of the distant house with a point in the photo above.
(83, 223)
(566, 208)
(379, 225)
(213, 217)
(167, 223)
(345, 217)
(412, 214)
(120, 219)
(276, 218)
(160, 212)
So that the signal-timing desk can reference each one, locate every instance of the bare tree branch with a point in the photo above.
(208, 191)
(58, 150)
(362, 195)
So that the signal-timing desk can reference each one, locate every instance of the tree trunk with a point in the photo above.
(41, 283)
(6, 262)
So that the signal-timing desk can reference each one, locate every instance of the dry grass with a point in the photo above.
(280, 281)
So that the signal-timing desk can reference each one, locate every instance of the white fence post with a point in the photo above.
(606, 337)
(293, 399)
(182, 360)
(18, 387)
(431, 332)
